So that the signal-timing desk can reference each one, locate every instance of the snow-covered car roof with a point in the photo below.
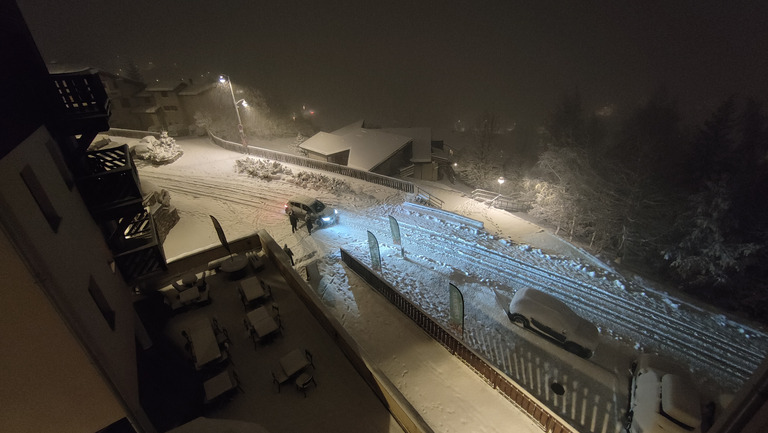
(553, 313)
(663, 398)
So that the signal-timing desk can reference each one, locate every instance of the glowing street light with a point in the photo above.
(501, 181)
(225, 79)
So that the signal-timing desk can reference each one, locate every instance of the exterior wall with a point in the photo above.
(317, 156)
(122, 94)
(65, 263)
(425, 171)
(47, 382)
(169, 104)
(392, 166)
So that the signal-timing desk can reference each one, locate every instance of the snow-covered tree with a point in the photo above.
(708, 254)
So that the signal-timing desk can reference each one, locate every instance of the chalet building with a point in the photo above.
(388, 151)
(165, 111)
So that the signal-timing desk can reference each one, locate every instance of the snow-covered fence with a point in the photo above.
(131, 133)
(548, 420)
(343, 170)
(443, 214)
(508, 203)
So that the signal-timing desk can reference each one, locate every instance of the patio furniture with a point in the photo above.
(234, 266)
(252, 289)
(279, 378)
(294, 362)
(303, 381)
(261, 324)
(221, 385)
(205, 345)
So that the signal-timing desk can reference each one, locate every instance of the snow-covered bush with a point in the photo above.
(319, 181)
(158, 151)
(262, 169)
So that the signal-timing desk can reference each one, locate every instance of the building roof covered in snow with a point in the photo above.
(198, 88)
(324, 143)
(422, 141)
(370, 147)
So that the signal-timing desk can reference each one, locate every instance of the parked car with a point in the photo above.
(662, 399)
(548, 316)
(303, 206)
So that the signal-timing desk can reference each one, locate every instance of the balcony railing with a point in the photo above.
(109, 183)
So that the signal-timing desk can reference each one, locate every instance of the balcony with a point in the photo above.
(136, 247)
(109, 183)
(83, 108)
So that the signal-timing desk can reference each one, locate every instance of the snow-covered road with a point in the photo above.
(488, 267)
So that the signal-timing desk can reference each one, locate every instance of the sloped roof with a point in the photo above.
(370, 147)
(196, 89)
(367, 147)
(422, 141)
(324, 143)
(165, 86)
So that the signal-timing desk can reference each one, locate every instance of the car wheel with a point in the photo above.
(519, 320)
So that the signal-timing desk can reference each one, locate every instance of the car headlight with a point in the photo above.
(326, 219)
(335, 211)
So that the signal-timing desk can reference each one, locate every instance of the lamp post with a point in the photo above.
(501, 181)
(225, 79)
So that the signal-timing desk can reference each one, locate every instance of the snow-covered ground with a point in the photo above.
(487, 264)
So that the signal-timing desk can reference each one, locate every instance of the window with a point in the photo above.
(58, 159)
(101, 302)
(38, 193)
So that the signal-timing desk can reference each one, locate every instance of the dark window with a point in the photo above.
(38, 193)
(58, 159)
(101, 303)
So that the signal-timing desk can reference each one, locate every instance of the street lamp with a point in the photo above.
(225, 79)
(501, 180)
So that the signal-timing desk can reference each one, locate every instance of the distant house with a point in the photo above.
(123, 92)
(196, 98)
(164, 110)
(388, 151)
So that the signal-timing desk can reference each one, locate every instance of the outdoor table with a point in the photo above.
(188, 280)
(219, 384)
(204, 342)
(234, 266)
(262, 322)
(252, 289)
(294, 362)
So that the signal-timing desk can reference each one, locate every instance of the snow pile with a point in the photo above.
(162, 151)
(262, 169)
(319, 181)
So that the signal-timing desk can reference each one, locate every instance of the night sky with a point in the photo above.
(425, 63)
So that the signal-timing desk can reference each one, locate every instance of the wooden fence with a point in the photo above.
(549, 421)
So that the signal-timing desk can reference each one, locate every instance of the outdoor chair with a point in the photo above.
(303, 382)
(308, 354)
(279, 378)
